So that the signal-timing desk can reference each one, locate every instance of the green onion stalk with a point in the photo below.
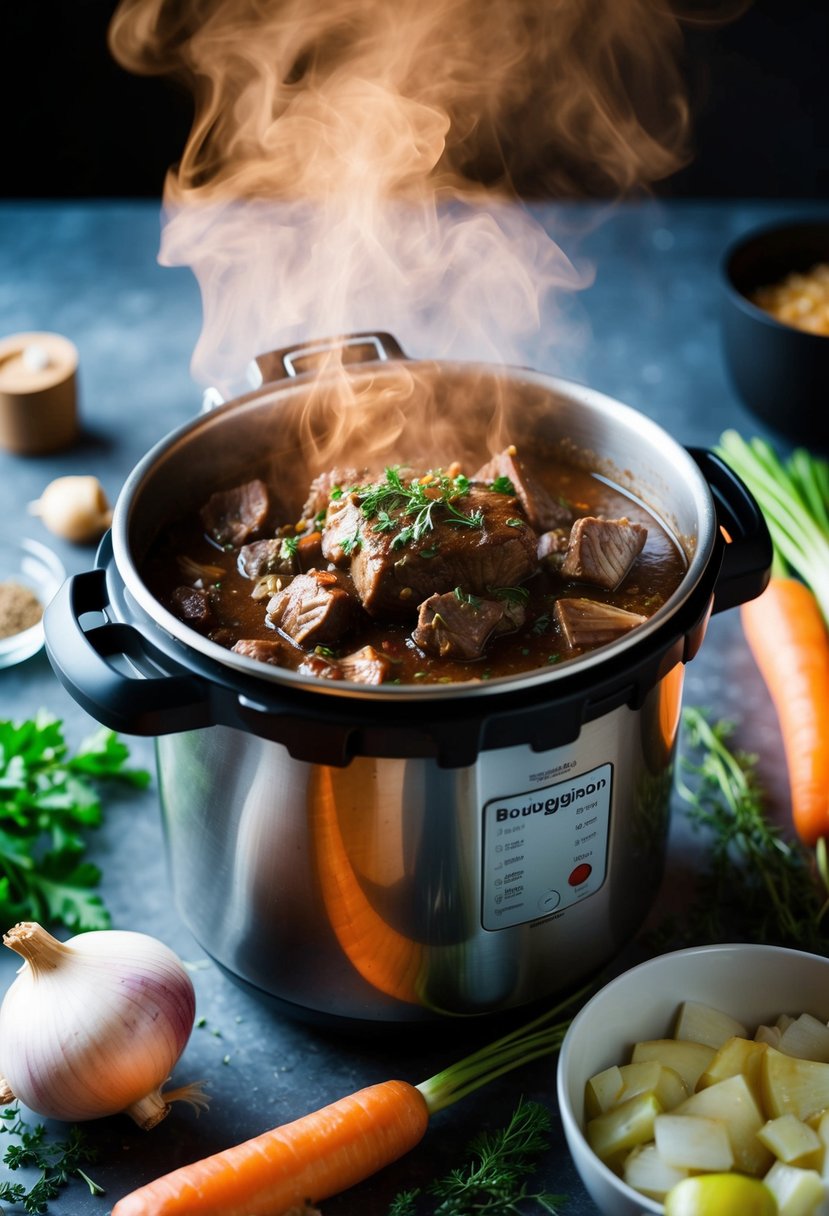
(793, 495)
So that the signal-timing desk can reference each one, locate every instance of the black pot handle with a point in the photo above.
(747, 548)
(143, 704)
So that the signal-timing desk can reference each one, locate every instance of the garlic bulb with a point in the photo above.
(75, 508)
(93, 1026)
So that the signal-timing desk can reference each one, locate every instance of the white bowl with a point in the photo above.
(35, 566)
(751, 982)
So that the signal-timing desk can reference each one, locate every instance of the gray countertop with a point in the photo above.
(648, 335)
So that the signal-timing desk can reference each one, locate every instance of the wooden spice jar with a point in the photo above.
(38, 393)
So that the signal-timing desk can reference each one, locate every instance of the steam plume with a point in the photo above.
(353, 164)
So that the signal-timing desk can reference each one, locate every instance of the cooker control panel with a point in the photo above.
(545, 849)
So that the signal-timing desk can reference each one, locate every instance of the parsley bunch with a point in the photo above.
(492, 1181)
(48, 799)
(58, 1162)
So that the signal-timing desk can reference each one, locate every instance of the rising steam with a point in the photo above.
(354, 164)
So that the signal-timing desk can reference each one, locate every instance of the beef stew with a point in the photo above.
(408, 576)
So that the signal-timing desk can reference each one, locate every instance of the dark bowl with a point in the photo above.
(780, 372)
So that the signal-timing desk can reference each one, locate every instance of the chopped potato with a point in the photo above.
(797, 1191)
(690, 1060)
(737, 1056)
(720, 1114)
(693, 1142)
(649, 1173)
(733, 1102)
(702, 1024)
(602, 1091)
(793, 1085)
(623, 1127)
(792, 1141)
(807, 1038)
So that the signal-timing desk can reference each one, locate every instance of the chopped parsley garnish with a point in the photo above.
(352, 544)
(513, 595)
(413, 507)
(542, 624)
(288, 548)
(502, 485)
(465, 597)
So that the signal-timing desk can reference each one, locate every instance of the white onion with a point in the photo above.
(93, 1026)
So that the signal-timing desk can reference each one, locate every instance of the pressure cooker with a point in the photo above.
(405, 853)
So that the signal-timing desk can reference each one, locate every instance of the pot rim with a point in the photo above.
(538, 678)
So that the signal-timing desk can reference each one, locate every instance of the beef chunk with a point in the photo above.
(266, 650)
(192, 604)
(366, 666)
(317, 608)
(231, 516)
(266, 557)
(552, 546)
(456, 627)
(542, 510)
(590, 623)
(602, 551)
(320, 489)
(322, 668)
(495, 549)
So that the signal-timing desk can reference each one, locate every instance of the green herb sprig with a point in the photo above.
(758, 885)
(48, 802)
(59, 1161)
(409, 508)
(493, 1179)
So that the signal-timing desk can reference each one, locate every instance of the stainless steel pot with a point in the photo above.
(406, 853)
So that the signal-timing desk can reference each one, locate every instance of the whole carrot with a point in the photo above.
(787, 626)
(308, 1160)
(787, 636)
(336, 1147)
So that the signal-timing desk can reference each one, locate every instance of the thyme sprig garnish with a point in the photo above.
(758, 885)
(411, 507)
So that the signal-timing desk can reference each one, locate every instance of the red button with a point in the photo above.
(580, 874)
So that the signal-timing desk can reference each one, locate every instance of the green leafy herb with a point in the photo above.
(288, 548)
(58, 1162)
(757, 885)
(352, 544)
(493, 1179)
(466, 597)
(412, 506)
(512, 595)
(48, 800)
(502, 485)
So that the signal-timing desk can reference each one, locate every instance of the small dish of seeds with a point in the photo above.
(30, 574)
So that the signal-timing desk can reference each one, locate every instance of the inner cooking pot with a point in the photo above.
(405, 852)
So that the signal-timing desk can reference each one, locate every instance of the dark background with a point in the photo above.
(77, 125)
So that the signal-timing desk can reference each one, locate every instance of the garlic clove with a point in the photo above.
(75, 508)
(93, 1026)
